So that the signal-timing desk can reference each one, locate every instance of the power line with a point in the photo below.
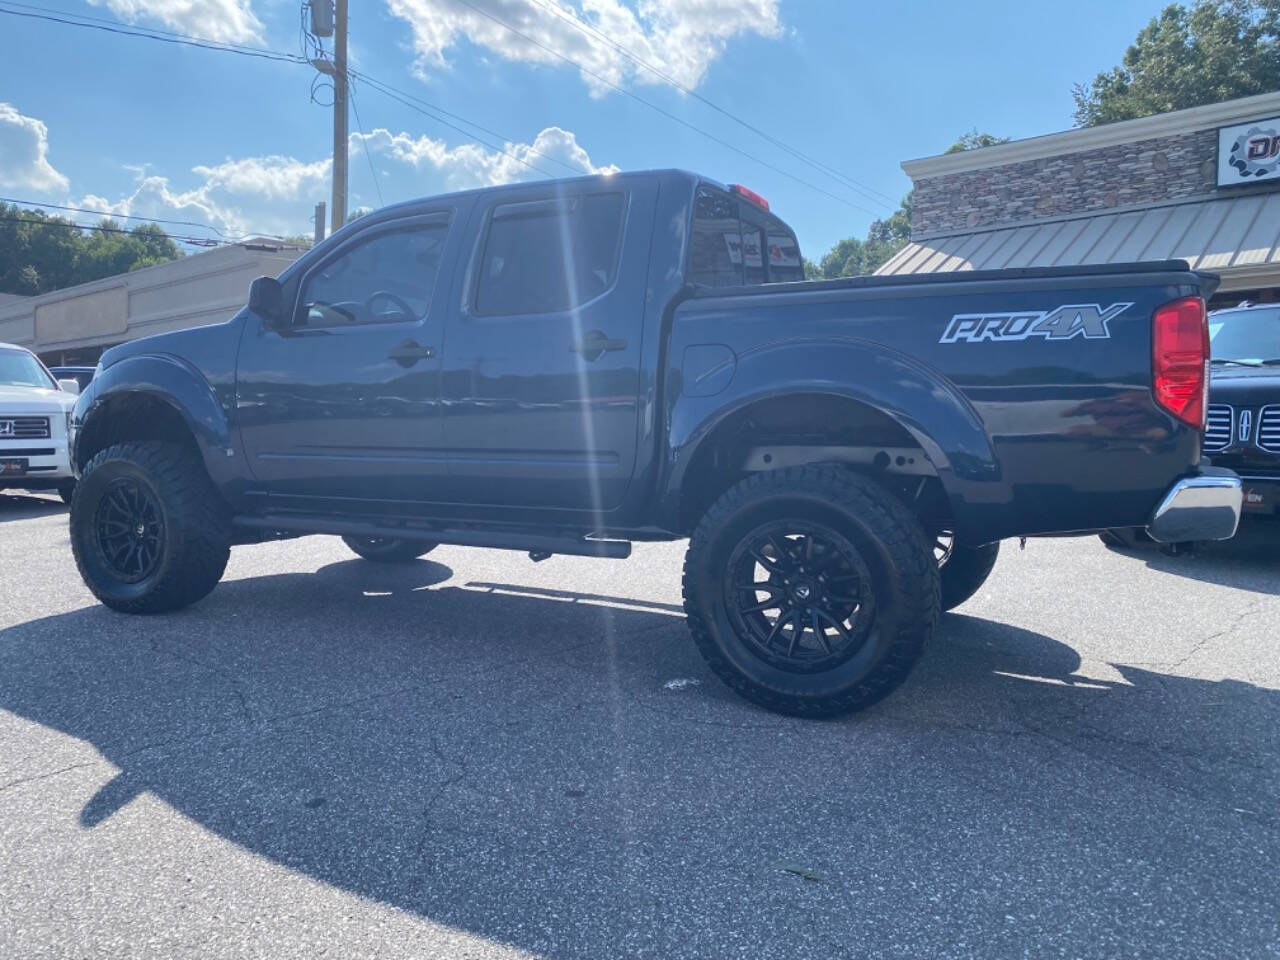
(666, 113)
(149, 33)
(471, 123)
(351, 90)
(102, 228)
(403, 98)
(113, 216)
(389, 91)
(870, 193)
(202, 43)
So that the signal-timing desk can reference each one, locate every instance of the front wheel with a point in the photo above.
(389, 549)
(148, 529)
(67, 490)
(811, 590)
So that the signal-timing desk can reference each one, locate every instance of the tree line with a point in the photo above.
(40, 252)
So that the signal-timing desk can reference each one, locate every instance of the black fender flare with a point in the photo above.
(919, 399)
(172, 381)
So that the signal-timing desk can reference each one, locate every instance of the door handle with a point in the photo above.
(594, 343)
(410, 352)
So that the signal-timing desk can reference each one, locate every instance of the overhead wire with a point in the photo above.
(661, 110)
(404, 99)
(102, 228)
(115, 27)
(149, 33)
(313, 48)
(112, 215)
(868, 192)
(364, 139)
(108, 217)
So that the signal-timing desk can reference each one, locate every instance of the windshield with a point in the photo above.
(20, 369)
(1246, 336)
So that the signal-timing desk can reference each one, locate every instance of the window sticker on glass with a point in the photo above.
(783, 251)
(733, 243)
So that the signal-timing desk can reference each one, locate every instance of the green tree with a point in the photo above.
(39, 252)
(973, 140)
(1187, 56)
(854, 256)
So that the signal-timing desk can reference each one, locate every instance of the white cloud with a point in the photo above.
(274, 194)
(471, 165)
(252, 194)
(681, 38)
(269, 178)
(226, 20)
(24, 153)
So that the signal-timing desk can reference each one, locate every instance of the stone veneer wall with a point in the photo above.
(1149, 171)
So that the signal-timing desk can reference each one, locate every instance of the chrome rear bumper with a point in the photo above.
(1203, 507)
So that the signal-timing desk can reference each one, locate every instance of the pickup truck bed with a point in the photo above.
(1029, 435)
(566, 367)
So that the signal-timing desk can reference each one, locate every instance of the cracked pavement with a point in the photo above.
(477, 756)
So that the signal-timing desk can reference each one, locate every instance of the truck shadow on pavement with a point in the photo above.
(559, 772)
(1249, 561)
(19, 506)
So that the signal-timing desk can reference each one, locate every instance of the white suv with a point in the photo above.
(34, 412)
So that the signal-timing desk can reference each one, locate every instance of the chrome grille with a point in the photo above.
(24, 428)
(1269, 429)
(1217, 431)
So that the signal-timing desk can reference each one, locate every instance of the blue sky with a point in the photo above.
(136, 126)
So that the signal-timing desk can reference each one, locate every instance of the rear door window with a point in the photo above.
(548, 256)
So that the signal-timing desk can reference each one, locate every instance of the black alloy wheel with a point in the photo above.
(801, 594)
(944, 544)
(149, 531)
(810, 590)
(129, 529)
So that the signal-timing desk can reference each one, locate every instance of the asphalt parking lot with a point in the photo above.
(477, 756)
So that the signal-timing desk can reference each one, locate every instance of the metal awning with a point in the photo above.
(1237, 237)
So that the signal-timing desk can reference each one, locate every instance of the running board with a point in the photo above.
(505, 539)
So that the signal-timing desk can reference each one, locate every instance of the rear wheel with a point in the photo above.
(148, 529)
(811, 590)
(963, 569)
(389, 549)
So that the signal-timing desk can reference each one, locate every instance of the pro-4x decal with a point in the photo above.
(1088, 320)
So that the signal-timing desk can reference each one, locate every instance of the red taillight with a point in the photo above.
(1180, 359)
(751, 195)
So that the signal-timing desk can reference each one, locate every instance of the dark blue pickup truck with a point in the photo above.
(567, 367)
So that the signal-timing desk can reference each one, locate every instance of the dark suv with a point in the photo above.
(1243, 430)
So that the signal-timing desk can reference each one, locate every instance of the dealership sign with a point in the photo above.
(1249, 152)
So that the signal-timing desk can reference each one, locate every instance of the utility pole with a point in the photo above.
(319, 222)
(339, 211)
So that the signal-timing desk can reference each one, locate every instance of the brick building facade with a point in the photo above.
(1142, 189)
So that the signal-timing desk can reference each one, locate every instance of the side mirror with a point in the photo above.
(70, 386)
(266, 299)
